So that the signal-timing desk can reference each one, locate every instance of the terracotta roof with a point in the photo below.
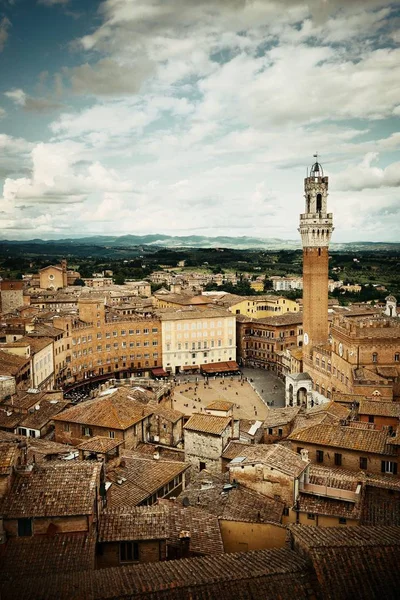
(109, 411)
(36, 343)
(212, 492)
(353, 562)
(379, 408)
(331, 507)
(257, 575)
(8, 453)
(341, 479)
(24, 399)
(195, 313)
(53, 490)
(41, 555)
(9, 419)
(45, 331)
(220, 405)
(11, 364)
(38, 418)
(290, 318)
(280, 416)
(274, 455)
(100, 444)
(143, 477)
(233, 449)
(210, 424)
(168, 413)
(336, 436)
(163, 521)
(380, 508)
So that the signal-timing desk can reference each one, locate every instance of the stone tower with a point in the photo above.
(315, 230)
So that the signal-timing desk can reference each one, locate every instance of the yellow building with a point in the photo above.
(257, 306)
(192, 337)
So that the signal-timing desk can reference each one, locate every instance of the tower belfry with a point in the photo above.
(316, 231)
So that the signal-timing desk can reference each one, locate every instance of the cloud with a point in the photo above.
(367, 176)
(109, 78)
(59, 175)
(20, 98)
(5, 25)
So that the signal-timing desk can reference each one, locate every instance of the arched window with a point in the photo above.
(375, 357)
(319, 202)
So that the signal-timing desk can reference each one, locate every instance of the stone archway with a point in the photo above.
(290, 389)
(301, 396)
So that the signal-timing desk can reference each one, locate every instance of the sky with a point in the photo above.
(197, 117)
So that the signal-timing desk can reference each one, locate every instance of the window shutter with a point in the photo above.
(383, 467)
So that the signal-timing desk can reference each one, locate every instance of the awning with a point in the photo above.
(221, 367)
(190, 368)
(159, 372)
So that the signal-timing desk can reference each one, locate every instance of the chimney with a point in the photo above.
(304, 455)
(156, 455)
(184, 540)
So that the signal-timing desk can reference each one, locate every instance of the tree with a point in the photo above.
(79, 282)
(119, 279)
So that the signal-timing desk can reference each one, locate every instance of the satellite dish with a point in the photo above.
(185, 501)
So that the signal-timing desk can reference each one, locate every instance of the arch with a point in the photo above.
(319, 202)
(301, 396)
(308, 203)
(290, 389)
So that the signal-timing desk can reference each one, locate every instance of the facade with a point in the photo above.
(194, 337)
(263, 342)
(11, 295)
(206, 436)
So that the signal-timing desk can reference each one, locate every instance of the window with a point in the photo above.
(338, 459)
(24, 527)
(87, 431)
(286, 512)
(363, 462)
(112, 434)
(342, 520)
(270, 431)
(320, 456)
(389, 467)
(202, 466)
(397, 357)
(375, 357)
(298, 450)
(311, 516)
(280, 432)
(66, 427)
(128, 551)
(371, 419)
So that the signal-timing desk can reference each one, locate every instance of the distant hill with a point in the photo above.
(158, 240)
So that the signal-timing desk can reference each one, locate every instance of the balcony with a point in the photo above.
(331, 492)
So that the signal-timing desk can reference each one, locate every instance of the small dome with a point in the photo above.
(317, 170)
(390, 299)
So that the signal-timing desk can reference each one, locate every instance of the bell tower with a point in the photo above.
(316, 231)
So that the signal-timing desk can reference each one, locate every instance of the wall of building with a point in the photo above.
(350, 458)
(108, 553)
(267, 481)
(205, 448)
(43, 368)
(238, 536)
(40, 526)
(325, 521)
(11, 295)
(197, 340)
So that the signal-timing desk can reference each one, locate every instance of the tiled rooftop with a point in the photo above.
(47, 410)
(276, 456)
(233, 449)
(220, 405)
(210, 424)
(100, 444)
(280, 416)
(8, 452)
(345, 437)
(41, 555)
(257, 575)
(109, 411)
(379, 408)
(330, 507)
(235, 503)
(163, 521)
(53, 490)
(144, 476)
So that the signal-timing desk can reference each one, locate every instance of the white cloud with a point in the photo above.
(20, 98)
(52, 2)
(367, 176)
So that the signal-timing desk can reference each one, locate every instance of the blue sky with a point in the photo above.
(197, 116)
